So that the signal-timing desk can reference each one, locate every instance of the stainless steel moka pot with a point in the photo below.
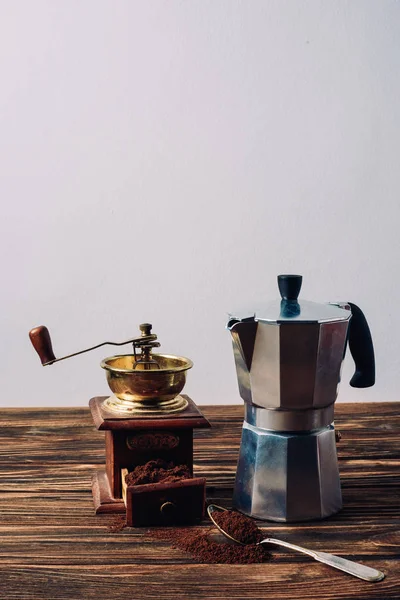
(288, 358)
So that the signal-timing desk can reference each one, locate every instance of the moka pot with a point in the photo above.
(288, 357)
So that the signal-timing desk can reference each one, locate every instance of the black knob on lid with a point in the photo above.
(289, 286)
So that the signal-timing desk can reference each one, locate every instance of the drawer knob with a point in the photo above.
(168, 510)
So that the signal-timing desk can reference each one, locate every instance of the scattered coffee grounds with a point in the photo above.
(203, 548)
(241, 528)
(118, 523)
(157, 471)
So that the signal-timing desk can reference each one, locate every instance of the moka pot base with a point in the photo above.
(287, 476)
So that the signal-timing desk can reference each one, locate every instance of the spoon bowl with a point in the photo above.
(212, 508)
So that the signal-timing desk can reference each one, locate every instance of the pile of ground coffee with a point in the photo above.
(206, 548)
(241, 528)
(157, 471)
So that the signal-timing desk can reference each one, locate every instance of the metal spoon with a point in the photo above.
(337, 562)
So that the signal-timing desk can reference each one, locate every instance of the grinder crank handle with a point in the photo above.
(41, 341)
(337, 562)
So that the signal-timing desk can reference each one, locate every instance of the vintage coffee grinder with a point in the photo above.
(145, 418)
(288, 358)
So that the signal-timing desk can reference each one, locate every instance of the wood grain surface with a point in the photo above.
(54, 547)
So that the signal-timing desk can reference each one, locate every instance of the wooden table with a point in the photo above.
(52, 545)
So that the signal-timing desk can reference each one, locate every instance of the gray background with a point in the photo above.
(163, 161)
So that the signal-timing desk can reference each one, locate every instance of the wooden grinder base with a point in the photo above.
(134, 440)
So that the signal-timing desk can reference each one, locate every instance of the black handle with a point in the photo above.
(362, 349)
(289, 286)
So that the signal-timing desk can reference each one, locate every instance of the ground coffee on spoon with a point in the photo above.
(241, 528)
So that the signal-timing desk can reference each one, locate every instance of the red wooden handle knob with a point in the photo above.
(41, 341)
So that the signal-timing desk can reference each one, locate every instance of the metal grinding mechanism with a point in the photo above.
(141, 382)
(288, 357)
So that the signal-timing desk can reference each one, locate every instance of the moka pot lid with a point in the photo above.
(291, 309)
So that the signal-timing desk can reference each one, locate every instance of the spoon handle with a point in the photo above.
(349, 566)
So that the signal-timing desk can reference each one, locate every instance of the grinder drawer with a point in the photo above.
(162, 504)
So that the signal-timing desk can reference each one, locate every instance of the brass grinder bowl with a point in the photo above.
(140, 389)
